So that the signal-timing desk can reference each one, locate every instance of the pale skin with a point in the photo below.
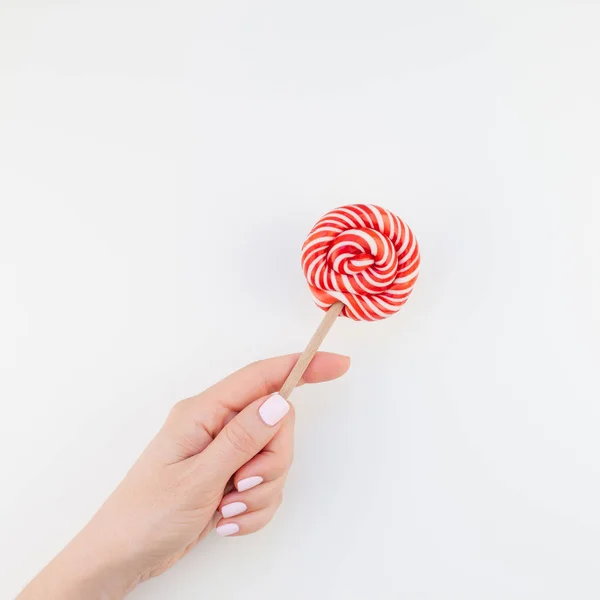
(218, 452)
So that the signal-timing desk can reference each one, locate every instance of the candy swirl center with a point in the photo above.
(365, 250)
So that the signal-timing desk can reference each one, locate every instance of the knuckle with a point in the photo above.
(282, 463)
(179, 409)
(278, 470)
(261, 525)
(240, 438)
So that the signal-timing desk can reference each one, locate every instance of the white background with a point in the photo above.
(160, 166)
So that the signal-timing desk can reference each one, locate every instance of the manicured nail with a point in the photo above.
(273, 409)
(228, 529)
(235, 508)
(248, 483)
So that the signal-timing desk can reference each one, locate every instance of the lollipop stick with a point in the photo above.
(311, 349)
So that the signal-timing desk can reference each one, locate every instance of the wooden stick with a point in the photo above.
(311, 349)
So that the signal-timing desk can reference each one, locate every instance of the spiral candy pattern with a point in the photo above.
(364, 256)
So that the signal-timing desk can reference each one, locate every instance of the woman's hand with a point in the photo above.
(228, 449)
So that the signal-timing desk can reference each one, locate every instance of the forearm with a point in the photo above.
(84, 570)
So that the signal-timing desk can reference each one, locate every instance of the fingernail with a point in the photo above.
(248, 483)
(235, 508)
(273, 409)
(228, 529)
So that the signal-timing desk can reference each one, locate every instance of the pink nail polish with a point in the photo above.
(227, 529)
(232, 509)
(248, 483)
(273, 409)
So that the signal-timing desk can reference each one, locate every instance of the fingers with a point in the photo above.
(262, 468)
(328, 366)
(267, 376)
(259, 485)
(236, 503)
(194, 422)
(248, 523)
(273, 462)
(241, 439)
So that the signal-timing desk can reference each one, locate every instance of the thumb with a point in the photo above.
(243, 438)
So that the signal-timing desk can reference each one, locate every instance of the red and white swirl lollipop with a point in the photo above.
(360, 261)
(363, 256)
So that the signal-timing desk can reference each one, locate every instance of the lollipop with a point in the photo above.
(360, 261)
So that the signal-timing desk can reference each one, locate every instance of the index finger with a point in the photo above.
(265, 377)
